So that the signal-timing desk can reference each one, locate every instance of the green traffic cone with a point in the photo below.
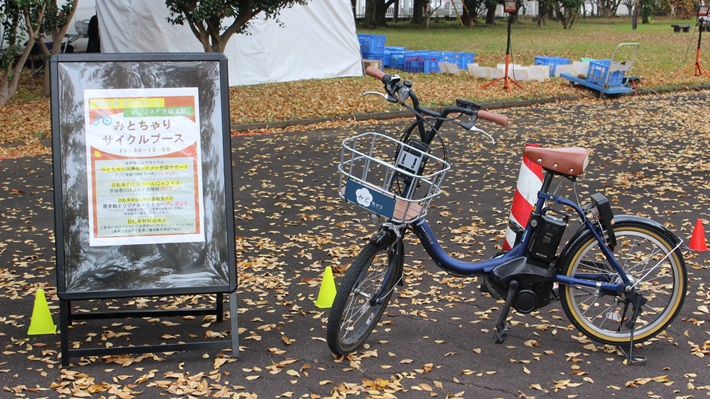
(41, 322)
(326, 293)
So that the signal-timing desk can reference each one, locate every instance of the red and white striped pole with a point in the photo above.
(529, 183)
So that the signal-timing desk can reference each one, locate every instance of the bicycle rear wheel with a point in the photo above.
(652, 264)
(363, 296)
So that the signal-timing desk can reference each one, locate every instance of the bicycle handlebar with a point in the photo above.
(486, 115)
(375, 73)
(493, 117)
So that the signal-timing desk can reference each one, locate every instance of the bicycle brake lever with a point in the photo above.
(472, 127)
(387, 97)
(383, 95)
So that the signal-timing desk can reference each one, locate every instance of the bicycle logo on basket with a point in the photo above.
(369, 199)
(364, 197)
(620, 279)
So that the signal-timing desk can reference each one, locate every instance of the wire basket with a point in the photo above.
(385, 176)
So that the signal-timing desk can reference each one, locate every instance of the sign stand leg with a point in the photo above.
(232, 343)
(234, 324)
(64, 321)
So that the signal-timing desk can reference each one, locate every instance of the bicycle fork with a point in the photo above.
(389, 235)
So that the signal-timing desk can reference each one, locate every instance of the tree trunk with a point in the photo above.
(381, 13)
(370, 13)
(11, 76)
(468, 15)
(11, 73)
(491, 15)
(375, 11)
(543, 7)
(57, 37)
(418, 12)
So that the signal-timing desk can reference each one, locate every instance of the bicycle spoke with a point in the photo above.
(652, 267)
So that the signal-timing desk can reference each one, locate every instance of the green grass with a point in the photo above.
(661, 51)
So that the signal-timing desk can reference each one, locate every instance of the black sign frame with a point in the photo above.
(144, 262)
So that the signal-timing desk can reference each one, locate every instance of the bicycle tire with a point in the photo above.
(650, 260)
(376, 269)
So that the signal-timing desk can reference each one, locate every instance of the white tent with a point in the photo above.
(313, 42)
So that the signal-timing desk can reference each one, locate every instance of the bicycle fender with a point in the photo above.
(652, 224)
(583, 234)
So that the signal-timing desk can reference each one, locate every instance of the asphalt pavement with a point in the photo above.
(649, 156)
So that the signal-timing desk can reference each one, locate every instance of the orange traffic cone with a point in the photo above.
(697, 241)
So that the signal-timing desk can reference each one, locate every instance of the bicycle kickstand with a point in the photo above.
(637, 301)
(502, 330)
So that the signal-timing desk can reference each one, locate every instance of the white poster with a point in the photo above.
(144, 166)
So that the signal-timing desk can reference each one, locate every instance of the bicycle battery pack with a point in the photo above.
(548, 234)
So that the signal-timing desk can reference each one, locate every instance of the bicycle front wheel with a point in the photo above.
(653, 265)
(363, 296)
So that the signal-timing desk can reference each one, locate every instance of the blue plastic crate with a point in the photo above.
(464, 60)
(374, 56)
(371, 44)
(422, 61)
(461, 59)
(398, 59)
(390, 54)
(413, 62)
(598, 71)
(552, 62)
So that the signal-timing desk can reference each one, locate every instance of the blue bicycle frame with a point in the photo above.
(461, 268)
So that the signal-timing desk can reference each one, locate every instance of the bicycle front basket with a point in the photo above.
(384, 176)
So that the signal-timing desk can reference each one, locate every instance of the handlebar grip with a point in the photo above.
(493, 117)
(375, 73)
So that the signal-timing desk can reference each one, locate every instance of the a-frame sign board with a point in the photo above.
(142, 188)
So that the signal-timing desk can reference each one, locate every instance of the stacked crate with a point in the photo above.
(394, 57)
(461, 59)
(372, 47)
(599, 74)
(422, 61)
(552, 62)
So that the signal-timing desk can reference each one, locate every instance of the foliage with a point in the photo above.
(25, 23)
(646, 10)
(661, 54)
(567, 11)
(10, 48)
(685, 9)
(607, 8)
(214, 22)
(54, 25)
(648, 156)
(21, 21)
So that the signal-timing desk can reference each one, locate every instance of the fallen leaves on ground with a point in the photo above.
(649, 155)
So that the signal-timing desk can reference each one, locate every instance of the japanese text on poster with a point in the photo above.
(144, 166)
